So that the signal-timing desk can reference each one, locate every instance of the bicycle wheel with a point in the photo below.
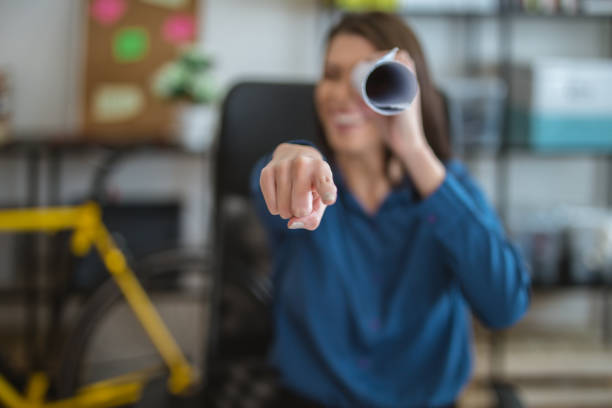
(108, 341)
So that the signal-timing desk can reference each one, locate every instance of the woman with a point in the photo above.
(389, 244)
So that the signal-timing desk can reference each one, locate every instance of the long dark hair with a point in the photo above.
(386, 31)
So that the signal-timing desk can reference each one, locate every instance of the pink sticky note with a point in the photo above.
(107, 11)
(179, 29)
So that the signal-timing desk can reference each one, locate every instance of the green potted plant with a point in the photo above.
(189, 80)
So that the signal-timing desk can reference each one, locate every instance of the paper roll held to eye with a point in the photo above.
(387, 86)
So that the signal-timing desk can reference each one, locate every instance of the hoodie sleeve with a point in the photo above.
(493, 275)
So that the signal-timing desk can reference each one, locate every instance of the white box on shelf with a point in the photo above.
(565, 103)
(565, 86)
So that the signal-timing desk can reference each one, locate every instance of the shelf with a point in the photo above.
(477, 152)
(526, 150)
(558, 16)
(500, 15)
(495, 11)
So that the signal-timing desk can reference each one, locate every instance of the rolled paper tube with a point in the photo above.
(387, 86)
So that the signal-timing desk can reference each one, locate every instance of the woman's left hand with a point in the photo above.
(404, 134)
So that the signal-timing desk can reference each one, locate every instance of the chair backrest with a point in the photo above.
(256, 117)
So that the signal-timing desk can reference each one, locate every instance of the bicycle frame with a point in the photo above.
(90, 231)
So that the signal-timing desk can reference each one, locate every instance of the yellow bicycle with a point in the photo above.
(89, 232)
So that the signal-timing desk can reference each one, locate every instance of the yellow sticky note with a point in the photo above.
(171, 4)
(117, 102)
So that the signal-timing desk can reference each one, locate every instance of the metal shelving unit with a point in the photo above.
(506, 19)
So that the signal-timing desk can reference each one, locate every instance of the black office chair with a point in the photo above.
(256, 117)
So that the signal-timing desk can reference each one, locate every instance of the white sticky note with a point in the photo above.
(117, 102)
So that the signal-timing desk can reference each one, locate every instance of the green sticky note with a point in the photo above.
(131, 44)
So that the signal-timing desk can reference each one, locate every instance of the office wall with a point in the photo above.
(38, 47)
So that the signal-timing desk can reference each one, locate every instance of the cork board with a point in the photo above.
(127, 41)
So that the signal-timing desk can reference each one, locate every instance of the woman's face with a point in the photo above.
(350, 126)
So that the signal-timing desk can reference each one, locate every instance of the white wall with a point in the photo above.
(38, 48)
(270, 39)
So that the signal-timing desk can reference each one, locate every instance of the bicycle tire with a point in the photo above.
(149, 270)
